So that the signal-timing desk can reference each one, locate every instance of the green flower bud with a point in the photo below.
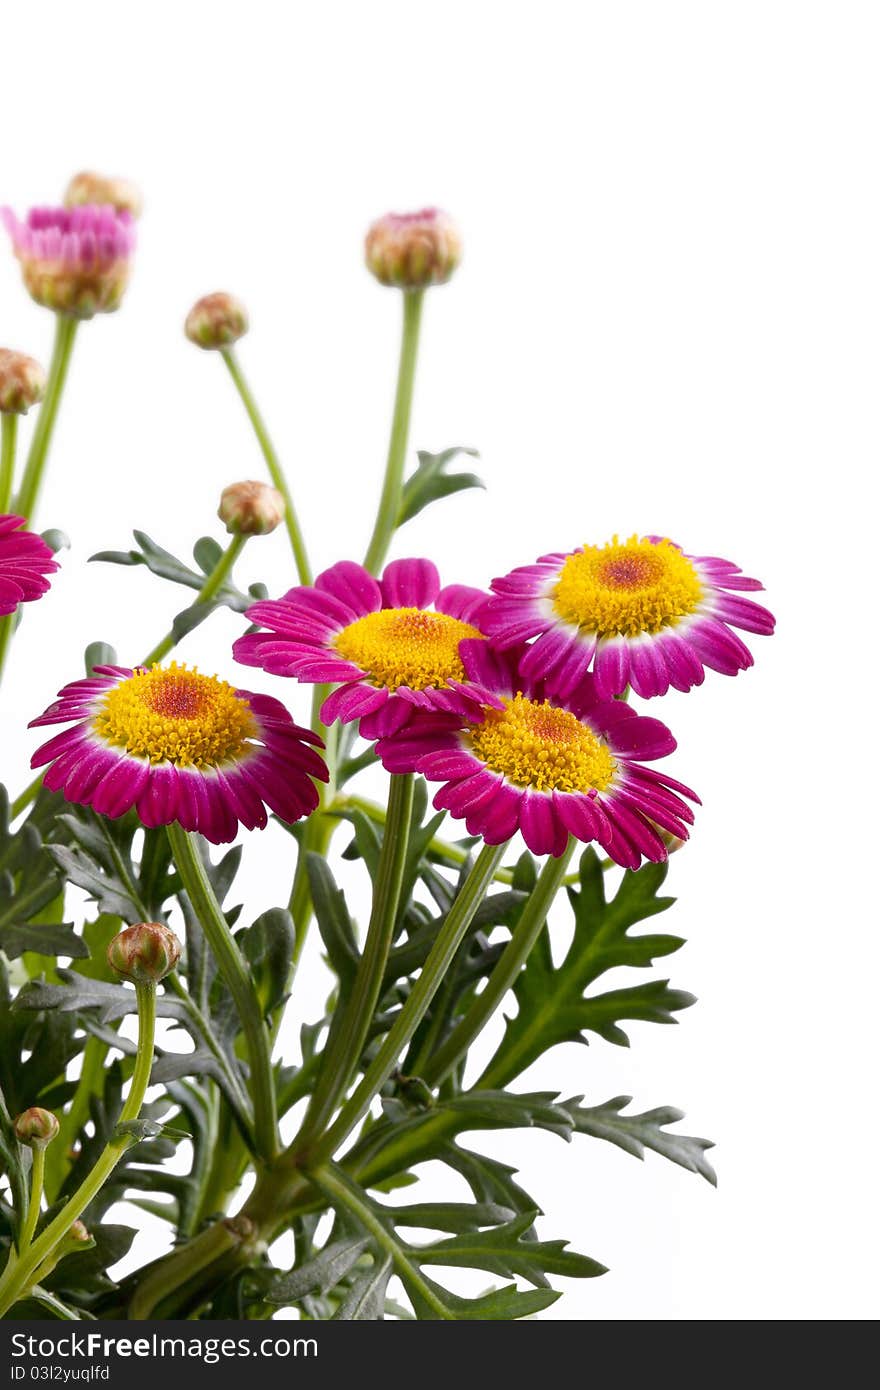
(144, 953)
(36, 1128)
(412, 250)
(216, 321)
(22, 382)
(251, 509)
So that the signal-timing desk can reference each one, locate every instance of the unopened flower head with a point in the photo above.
(88, 189)
(22, 382)
(79, 1233)
(144, 953)
(180, 748)
(74, 260)
(36, 1127)
(412, 250)
(251, 508)
(216, 321)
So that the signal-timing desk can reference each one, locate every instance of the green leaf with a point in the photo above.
(45, 939)
(431, 481)
(502, 1250)
(167, 566)
(267, 946)
(318, 1275)
(450, 1216)
(334, 923)
(635, 1133)
(98, 654)
(365, 1300)
(553, 1006)
(504, 1304)
(402, 1139)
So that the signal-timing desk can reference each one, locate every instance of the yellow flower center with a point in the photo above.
(406, 646)
(627, 588)
(176, 715)
(539, 745)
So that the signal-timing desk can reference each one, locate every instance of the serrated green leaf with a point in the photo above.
(552, 1004)
(268, 946)
(44, 939)
(365, 1300)
(635, 1133)
(502, 1250)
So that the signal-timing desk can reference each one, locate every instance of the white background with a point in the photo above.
(666, 321)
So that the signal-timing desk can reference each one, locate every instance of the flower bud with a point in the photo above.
(79, 1233)
(412, 250)
(36, 1127)
(144, 953)
(88, 189)
(216, 321)
(251, 509)
(22, 382)
(74, 260)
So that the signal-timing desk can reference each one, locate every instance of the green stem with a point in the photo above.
(29, 492)
(344, 1195)
(507, 968)
(349, 1034)
(207, 592)
(273, 463)
(238, 981)
(38, 1172)
(388, 517)
(8, 437)
(442, 953)
(18, 1277)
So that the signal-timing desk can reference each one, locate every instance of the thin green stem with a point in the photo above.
(19, 1276)
(388, 516)
(8, 437)
(350, 1031)
(207, 592)
(506, 970)
(273, 463)
(442, 953)
(29, 492)
(238, 981)
(38, 1173)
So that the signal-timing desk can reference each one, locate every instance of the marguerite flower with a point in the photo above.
(25, 560)
(179, 746)
(547, 767)
(640, 613)
(391, 644)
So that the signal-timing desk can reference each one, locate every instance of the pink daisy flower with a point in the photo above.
(641, 613)
(547, 767)
(25, 560)
(390, 644)
(74, 260)
(179, 747)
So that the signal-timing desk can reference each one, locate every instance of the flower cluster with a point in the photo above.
(507, 698)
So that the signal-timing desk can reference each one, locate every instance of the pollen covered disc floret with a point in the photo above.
(179, 746)
(638, 613)
(410, 647)
(545, 766)
(390, 644)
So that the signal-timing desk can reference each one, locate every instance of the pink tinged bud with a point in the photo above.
(88, 189)
(251, 509)
(36, 1127)
(79, 1233)
(412, 250)
(22, 382)
(75, 260)
(216, 321)
(144, 953)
